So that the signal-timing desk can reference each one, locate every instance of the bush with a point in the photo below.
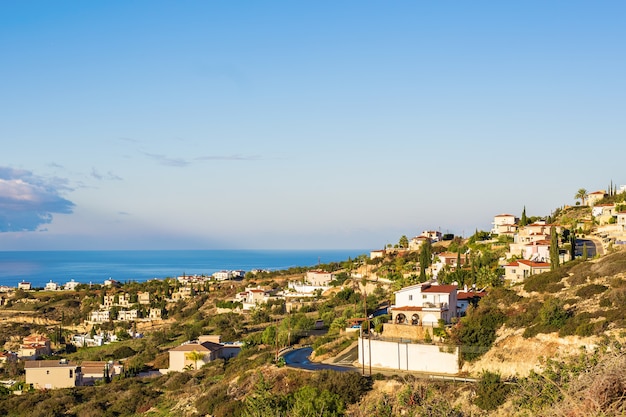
(491, 392)
(477, 331)
(591, 290)
(541, 282)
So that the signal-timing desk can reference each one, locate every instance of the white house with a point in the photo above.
(24, 286)
(222, 275)
(99, 316)
(51, 286)
(253, 296)
(504, 224)
(416, 242)
(538, 251)
(71, 285)
(127, 315)
(424, 304)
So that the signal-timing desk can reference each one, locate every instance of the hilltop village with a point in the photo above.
(461, 326)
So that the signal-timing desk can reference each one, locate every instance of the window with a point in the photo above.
(47, 372)
(71, 373)
(410, 297)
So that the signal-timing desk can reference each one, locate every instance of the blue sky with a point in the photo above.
(321, 124)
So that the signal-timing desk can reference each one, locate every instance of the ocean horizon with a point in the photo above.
(41, 267)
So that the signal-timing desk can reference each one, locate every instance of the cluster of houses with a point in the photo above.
(125, 313)
(63, 373)
(58, 373)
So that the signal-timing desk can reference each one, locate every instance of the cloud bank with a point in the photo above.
(28, 201)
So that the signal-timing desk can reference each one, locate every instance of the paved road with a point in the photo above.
(594, 246)
(299, 358)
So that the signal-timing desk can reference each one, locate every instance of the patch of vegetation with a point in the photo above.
(491, 392)
(591, 290)
(476, 332)
(547, 282)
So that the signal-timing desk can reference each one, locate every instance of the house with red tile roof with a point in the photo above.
(504, 224)
(593, 198)
(519, 270)
(425, 304)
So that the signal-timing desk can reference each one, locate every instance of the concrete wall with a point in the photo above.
(409, 356)
(53, 377)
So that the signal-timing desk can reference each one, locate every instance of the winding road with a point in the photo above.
(299, 358)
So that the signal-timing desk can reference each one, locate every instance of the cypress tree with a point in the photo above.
(425, 259)
(554, 249)
(572, 242)
(523, 220)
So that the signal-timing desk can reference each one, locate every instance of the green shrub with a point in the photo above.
(541, 282)
(491, 392)
(591, 290)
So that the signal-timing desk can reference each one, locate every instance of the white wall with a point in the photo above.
(409, 356)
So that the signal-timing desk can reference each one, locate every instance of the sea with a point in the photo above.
(41, 267)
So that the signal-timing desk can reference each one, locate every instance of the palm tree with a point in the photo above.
(194, 356)
(582, 195)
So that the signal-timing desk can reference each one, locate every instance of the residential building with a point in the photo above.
(377, 254)
(183, 293)
(450, 259)
(593, 198)
(416, 242)
(194, 355)
(621, 220)
(127, 315)
(222, 275)
(154, 314)
(34, 346)
(538, 251)
(52, 374)
(51, 286)
(7, 357)
(504, 224)
(110, 283)
(143, 298)
(124, 300)
(71, 285)
(251, 297)
(99, 316)
(433, 235)
(466, 298)
(93, 371)
(521, 269)
(319, 278)
(603, 213)
(24, 285)
(425, 304)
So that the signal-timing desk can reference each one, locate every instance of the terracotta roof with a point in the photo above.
(199, 347)
(440, 289)
(534, 264)
(469, 294)
(407, 308)
(504, 215)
